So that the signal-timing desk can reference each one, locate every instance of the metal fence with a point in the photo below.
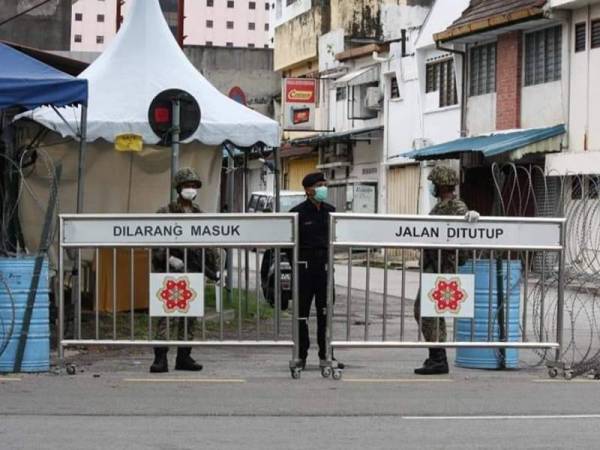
(367, 319)
(120, 252)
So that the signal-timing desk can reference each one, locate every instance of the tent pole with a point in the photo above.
(230, 208)
(81, 166)
(175, 144)
(276, 165)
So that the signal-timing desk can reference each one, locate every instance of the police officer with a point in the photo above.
(444, 181)
(186, 183)
(313, 219)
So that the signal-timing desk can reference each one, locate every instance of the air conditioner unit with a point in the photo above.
(373, 99)
(419, 143)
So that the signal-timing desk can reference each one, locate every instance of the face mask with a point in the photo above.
(432, 190)
(320, 194)
(189, 193)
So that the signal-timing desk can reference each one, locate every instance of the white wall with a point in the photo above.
(481, 114)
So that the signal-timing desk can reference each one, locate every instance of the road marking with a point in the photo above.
(183, 380)
(576, 380)
(517, 417)
(398, 380)
(9, 379)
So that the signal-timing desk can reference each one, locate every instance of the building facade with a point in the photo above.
(219, 23)
(51, 17)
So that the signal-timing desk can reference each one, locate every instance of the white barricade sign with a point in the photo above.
(447, 295)
(176, 295)
(177, 230)
(446, 231)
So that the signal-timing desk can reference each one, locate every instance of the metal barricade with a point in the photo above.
(123, 251)
(511, 243)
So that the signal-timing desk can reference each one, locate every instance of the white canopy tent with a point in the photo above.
(142, 61)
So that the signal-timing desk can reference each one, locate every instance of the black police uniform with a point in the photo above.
(313, 257)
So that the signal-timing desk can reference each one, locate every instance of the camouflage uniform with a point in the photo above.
(194, 256)
(440, 176)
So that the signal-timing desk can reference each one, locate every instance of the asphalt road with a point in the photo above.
(246, 399)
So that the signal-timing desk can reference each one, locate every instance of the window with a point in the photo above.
(482, 69)
(394, 90)
(266, 27)
(432, 75)
(209, 24)
(210, 3)
(440, 77)
(99, 39)
(77, 38)
(340, 94)
(252, 5)
(251, 45)
(230, 3)
(229, 44)
(251, 26)
(267, 6)
(230, 25)
(595, 34)
(100, 18)
(580, 37)
(209, 43)
(78, 17)
(266, 46)
(543, 56)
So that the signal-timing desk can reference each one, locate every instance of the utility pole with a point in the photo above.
(119, 15)
(180, 22)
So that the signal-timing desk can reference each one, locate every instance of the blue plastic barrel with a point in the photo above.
(17, 274)
(486, 358)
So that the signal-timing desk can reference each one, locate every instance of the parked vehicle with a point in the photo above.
(261, 200)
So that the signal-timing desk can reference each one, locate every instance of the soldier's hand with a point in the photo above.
(176, 263)
(472, 216)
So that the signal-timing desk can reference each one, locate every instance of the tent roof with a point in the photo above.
(27, 82)
(142, 61)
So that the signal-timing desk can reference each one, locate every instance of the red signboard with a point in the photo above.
(300, 90)
(300, 101)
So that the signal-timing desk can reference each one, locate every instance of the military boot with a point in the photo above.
(160, 364)
(436, 364)
(185, 362)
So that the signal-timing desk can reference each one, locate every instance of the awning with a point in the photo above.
(362, 76)
(521, 142)
(340, 136)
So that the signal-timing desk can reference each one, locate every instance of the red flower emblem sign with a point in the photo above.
(447, 295)
(176, 294)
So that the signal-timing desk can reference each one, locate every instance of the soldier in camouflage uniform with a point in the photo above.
(444, 181)
(186, 183)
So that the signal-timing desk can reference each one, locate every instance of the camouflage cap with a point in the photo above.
(443, 176)
(186, 175)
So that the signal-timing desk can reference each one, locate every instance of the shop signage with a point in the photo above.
(300, 97)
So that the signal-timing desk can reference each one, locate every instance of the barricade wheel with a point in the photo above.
(71, 369)
(568, 374)
(326, 372)
(295, 373)
(337, 374)
(552, 372)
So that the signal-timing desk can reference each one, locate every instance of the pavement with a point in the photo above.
(246, 398)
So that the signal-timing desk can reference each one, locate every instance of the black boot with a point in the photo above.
(160, 364)
(436, 364)
(185, 362)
